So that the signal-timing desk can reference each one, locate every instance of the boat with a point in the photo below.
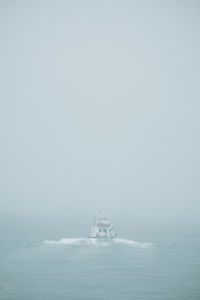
(102, 227)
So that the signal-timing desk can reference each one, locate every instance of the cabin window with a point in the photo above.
(99, 229)
(104, 230)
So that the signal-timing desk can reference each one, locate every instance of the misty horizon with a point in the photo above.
(100, 108)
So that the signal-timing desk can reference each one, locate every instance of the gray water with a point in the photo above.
(48, 257)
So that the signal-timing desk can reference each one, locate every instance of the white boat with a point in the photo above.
(102, 228)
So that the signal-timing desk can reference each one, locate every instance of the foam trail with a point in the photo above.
(98, 242)
(72, 241)
(134, 244)
(78, 242)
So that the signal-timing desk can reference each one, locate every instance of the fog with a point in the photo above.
(99, 107)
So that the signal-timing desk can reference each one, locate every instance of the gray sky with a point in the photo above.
(99, 107)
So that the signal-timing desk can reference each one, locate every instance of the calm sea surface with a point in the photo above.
(51, 258)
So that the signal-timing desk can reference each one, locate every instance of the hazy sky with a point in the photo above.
(99, 107)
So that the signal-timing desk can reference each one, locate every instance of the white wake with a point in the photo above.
(98, 242)
(134, 244)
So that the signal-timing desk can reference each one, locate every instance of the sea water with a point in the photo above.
(48, 257)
